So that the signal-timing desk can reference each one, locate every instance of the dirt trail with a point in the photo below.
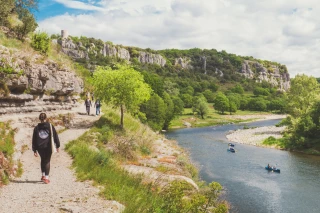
(64, 193)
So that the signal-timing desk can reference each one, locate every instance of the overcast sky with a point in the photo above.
(284, 31)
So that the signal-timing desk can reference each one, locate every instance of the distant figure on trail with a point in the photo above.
(97, 104)
(92, 96)
(88, 104)
(41, 143)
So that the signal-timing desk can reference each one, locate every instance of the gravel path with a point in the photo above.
(64, 193)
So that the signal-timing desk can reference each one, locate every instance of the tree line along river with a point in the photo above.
(248, 186)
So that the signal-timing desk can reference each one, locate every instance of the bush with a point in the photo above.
(41, 42)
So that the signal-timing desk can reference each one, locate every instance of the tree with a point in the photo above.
(302, 94)
(178, 105)
(238, 89)
(5, 10)
(201, 107)
(234, 102)
(261, 91)
(41, 42)
(187, 100)
(155, 110)
(221, 102)
(28, 25)
(169, 111)
(27, 4)
(208, 94)
(122, 87)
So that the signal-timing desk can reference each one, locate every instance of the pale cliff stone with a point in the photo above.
(184, 63)
(36, 79)
(149, 58)
(274, 77)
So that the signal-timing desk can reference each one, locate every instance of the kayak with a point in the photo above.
(272, 169)
(231, 150)
(231, 144)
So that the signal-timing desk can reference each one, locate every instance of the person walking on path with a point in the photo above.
(88, 104)
(97, 104)
(41, 143)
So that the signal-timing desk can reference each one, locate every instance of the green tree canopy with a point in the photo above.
(5, 9)
(221, 103)
(201, 107)
(302, 94)
(121, 87)
(155, 111)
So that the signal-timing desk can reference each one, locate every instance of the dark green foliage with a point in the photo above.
(29, 23)
(200, 106)
(178, 105)
(209, 95)
(169, 114)
(41, 42)
(257, 104)
(155, 111)
(5, 10)
(154, 81)
(187, 100)
(237, 89)
(221, 103)
(259, 91)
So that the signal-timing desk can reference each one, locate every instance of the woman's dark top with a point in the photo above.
(42, 136)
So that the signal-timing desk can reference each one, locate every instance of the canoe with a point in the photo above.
(272, 170)
(231, 150)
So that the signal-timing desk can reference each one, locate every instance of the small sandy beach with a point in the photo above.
(256, 136)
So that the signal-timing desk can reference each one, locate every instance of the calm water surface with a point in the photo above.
(248, 186)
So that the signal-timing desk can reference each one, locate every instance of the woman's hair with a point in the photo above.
(42, 116)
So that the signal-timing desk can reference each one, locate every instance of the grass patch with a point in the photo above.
(94, 160)
(6, 152)
(213, 118)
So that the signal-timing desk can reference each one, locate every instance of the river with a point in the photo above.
(248, 187)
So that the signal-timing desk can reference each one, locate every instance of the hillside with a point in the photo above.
(221, 66)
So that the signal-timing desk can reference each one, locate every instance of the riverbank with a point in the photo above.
(187, 121)
(255, 136)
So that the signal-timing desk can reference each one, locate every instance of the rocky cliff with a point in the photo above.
(77, 51)
(30, 82)
(209, 62)
(272, 74)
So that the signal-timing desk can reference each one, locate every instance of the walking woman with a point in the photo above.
(41, 143)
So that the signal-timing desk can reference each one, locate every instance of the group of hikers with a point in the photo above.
(45, 139)
(88, 104)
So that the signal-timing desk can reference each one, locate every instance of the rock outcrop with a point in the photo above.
(75, 51)
(255, 70)
(183, 62)
(26, 78)
(113, 51)
(149, 58)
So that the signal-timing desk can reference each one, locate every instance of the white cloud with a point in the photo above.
(79, 5)
(280, 31)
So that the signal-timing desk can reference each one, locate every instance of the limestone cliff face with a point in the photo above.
(183, 62)
(113, 51)
(149, 58)
(26, 77)
(255, 70)
(78, 51)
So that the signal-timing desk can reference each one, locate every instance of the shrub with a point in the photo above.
(41, 42)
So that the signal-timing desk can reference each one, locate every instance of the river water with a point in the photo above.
(248, 186)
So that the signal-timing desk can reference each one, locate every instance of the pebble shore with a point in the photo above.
(255, 136)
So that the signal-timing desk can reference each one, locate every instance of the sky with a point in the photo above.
(284, 31)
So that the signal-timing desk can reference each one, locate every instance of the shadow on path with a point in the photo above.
(27, 181)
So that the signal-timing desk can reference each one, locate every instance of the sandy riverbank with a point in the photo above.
(256, 136)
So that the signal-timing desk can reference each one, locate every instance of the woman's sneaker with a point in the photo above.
(42, 178)
(46, 181)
